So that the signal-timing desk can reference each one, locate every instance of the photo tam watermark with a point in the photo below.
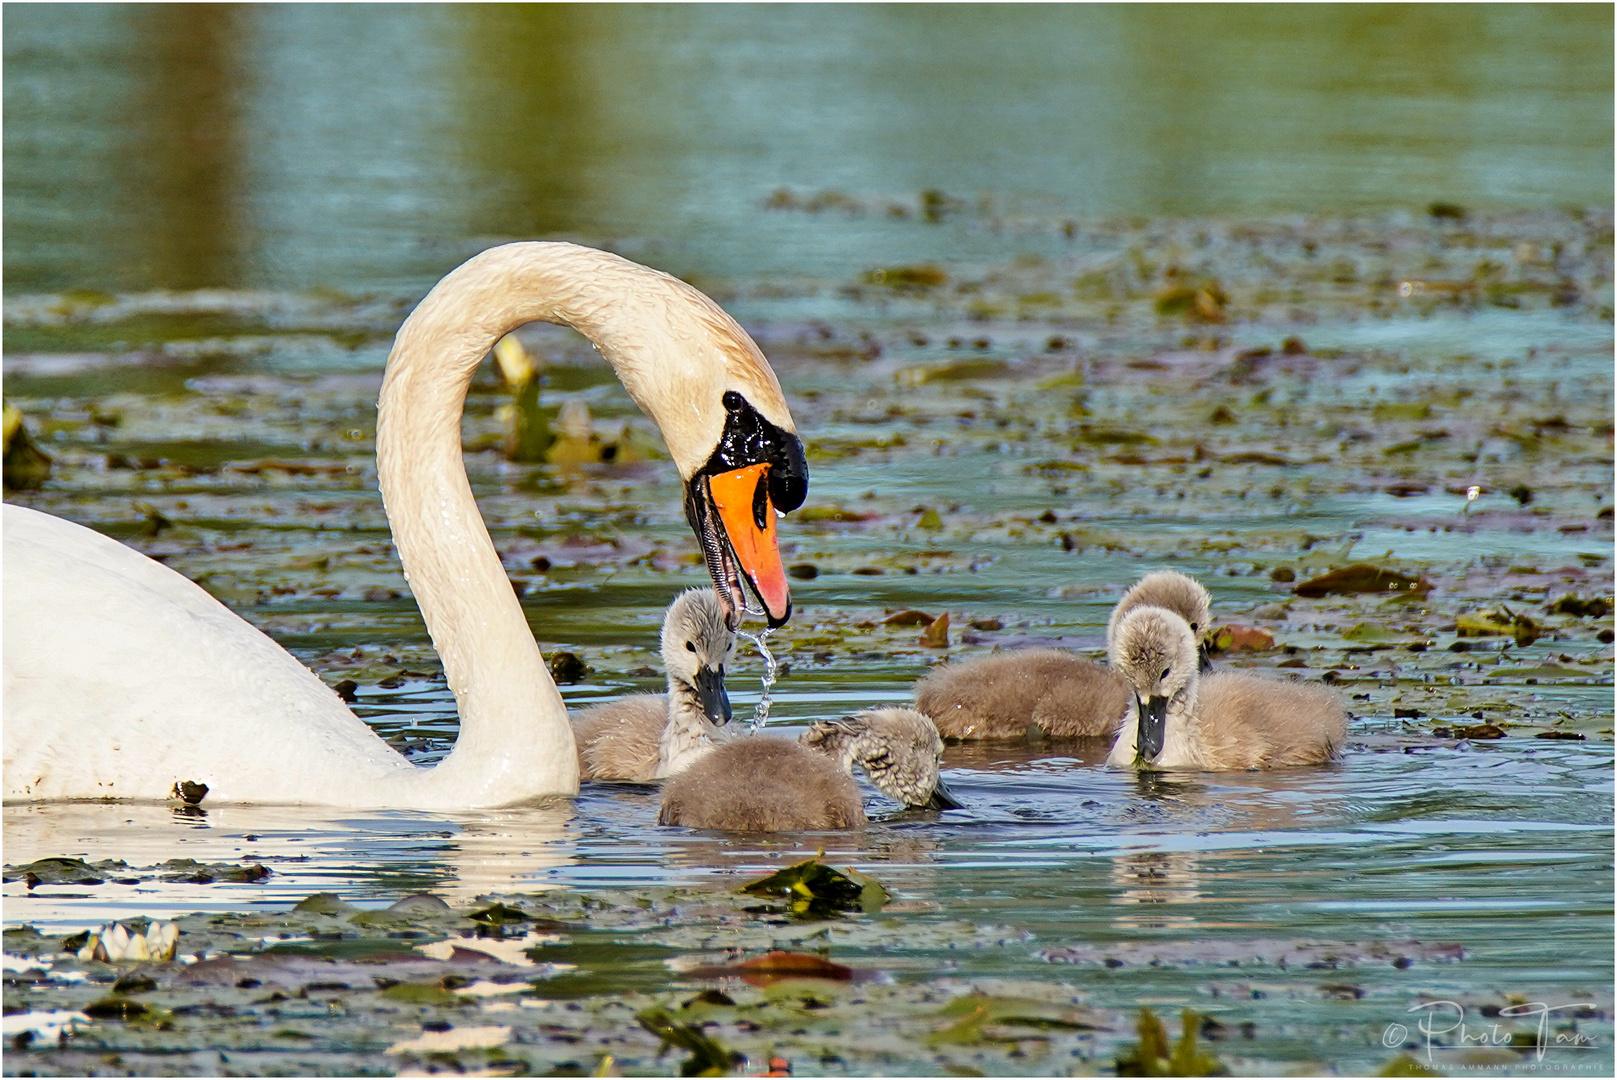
(1443, 1026)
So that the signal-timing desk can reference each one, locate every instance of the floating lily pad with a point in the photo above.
(1502, 621)
(63, 871)
(815, 890)
(499, 915)
(323, 903)
(1238, 638)
(1361, 578)
(980, 1018)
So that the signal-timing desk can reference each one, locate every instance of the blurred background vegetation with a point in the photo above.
(374, 146)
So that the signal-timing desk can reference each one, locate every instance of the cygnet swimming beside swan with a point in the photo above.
(647, 737)
(773, 785)
(1176, 719)
(1007, 695)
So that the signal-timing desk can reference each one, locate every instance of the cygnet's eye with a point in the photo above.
(1166, 672)
(1195, 626)
(691, 646)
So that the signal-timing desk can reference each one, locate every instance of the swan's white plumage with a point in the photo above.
(122, 677)
(92, 668)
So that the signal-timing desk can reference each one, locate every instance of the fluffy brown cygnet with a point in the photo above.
(1179, 720)
(647, 737)
(1177, 592)
(772, 785)
(1008, 695)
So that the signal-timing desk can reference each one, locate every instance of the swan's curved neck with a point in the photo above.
(666, 341)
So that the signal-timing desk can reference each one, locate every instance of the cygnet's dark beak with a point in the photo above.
(1153, 726)
(711, 695)
(1204, 656)
(943, 799)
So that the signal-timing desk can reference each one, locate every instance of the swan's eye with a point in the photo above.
(690, 646)
(1195, 626)
(1166, 672)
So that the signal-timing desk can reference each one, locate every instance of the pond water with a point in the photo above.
(1110, 340)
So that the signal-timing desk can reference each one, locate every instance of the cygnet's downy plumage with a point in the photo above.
(1009, 695)
(772, 785)
(1176, 719)
(647, 737)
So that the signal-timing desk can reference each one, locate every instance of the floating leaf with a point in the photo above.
(772, 967)
(1238, 638)
(323, 903)
(415, 993)
(936, 635)
(1500, 622)
(908, 617)
(916, 278)
(60, 871)
(983, 1018)
(958, 371)
(500, 915)
(1593, 608)
(831, 513)
(419, 904)
(362, 949)
(816, 890)
(1362, 578)
(931, 520)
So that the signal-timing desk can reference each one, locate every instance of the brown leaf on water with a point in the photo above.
(1479, 731)
(936, 635)
(778, 966)
(1255, 457)
(1238, 638)
(909, 617)
(773, 966)
(1362, 578)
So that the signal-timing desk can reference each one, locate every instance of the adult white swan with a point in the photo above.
(123, 678)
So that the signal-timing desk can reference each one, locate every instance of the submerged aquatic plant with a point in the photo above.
(1151, 1057)
(527, 432)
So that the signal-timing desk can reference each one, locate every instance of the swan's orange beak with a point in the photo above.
(741, 499)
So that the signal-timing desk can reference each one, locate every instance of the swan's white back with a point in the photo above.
(109, 655)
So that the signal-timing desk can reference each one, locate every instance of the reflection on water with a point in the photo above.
(307, 849)
(1152, 839)
(357, 146)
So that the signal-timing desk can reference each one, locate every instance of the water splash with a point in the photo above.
(760, 711)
